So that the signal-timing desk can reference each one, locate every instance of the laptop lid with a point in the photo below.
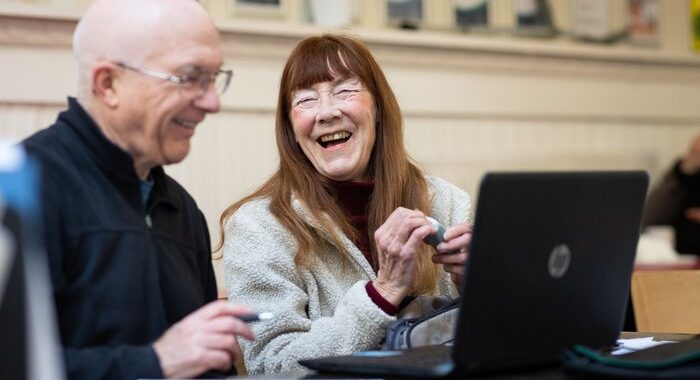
(550, 264)
(29, 347)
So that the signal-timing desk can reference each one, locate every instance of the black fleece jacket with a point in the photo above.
(667, 203)
(122, 273)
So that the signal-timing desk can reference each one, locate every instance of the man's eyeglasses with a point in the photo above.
(194, 84)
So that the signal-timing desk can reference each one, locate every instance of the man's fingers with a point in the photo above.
(231, 325)
(219, 308)
(226, 342)
(218, 359)
(210, 310)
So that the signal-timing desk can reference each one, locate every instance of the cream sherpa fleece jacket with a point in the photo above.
(322, 309)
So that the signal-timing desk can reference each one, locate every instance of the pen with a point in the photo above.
(254, 317)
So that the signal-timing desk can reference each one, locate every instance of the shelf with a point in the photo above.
(286, 33)
(483, 42)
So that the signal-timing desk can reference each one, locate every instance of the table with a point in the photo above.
(529, 374)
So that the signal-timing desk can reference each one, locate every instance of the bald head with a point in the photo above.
(136, 31)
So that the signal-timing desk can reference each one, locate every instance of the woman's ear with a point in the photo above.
(104, 80)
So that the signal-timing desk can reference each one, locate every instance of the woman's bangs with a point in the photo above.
(318, 64)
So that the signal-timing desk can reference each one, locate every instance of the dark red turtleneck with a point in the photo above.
(354, 198)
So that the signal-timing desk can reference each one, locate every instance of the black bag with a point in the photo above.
(426, 320)
(669, 361)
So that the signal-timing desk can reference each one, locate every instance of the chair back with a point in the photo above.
(667, 301)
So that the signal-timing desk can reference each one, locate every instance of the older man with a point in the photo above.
(128, 248)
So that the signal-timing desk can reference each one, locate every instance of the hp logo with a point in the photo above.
(559, 261)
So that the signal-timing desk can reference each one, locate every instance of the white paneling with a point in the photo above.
(255, 83)
(232, 154)
(36, 74)
(18, 121)
(461, 150)
(505, 92)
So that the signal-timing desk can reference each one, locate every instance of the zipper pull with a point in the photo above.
(147, 218)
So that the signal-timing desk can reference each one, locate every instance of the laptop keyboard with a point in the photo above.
(416, 357)
(423, 362)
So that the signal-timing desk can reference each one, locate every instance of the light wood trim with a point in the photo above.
(667, 301)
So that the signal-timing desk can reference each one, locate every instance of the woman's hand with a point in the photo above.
(453, 252)
(398, 240)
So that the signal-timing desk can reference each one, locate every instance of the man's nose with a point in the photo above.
(209, 101)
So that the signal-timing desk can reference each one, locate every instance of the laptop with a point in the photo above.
(30, 345)
(550, 263)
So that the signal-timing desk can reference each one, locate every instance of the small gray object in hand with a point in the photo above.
(439, 236)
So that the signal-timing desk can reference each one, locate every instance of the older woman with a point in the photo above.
(334, 240)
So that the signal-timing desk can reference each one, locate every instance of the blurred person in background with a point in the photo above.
(675, 201)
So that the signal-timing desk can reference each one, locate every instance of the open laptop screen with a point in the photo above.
(551, 258)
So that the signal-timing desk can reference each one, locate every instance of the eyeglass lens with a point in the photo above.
(197, 84)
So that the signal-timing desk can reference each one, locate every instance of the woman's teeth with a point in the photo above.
(335, 136)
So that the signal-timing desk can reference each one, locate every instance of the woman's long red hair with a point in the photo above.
(397, 180)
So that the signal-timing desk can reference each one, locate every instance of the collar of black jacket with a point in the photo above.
(115, 162)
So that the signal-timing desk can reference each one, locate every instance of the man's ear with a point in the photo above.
(104, 83)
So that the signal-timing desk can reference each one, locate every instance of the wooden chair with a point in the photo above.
(667, 301)
(239, 362)
(240, 365)
(223, 295)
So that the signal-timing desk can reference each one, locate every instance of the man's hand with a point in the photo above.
(203, 340)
